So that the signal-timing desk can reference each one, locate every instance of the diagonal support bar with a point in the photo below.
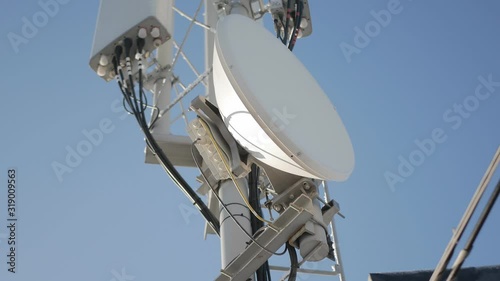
(290, 221)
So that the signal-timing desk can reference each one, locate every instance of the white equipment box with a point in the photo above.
(120, 19)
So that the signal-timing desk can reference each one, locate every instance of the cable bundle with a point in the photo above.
(288, 39)
(137, 105)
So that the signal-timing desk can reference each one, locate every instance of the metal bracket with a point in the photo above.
(209, 113)
(303, 186)
(329, 211)
(272, 239)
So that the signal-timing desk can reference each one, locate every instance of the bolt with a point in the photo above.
(277, 208)
(306, 186)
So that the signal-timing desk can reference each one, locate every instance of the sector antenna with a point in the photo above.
(262, 133)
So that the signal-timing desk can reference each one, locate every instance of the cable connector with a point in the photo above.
(140, 48)
(140, 44)
(127, 43)
(116, 62)
(118, 53)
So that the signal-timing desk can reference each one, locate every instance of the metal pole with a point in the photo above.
(210, 20)
(448, 253)
(468, 246)
(163, 86)
(233, 240)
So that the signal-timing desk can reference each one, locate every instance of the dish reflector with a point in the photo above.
(273, 106)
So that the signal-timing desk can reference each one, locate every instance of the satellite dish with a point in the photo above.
(273, 106)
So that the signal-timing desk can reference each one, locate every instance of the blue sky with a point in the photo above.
(414, 79)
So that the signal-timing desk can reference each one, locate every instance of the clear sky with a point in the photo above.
(419, 90)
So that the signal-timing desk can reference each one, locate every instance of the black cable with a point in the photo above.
(288, 15)
(179, 180)
(253, 197)
(296, 28)
(137, 110)
(475, 232)
(277, 29)
(195, 154)
(138, 107)
(268, 271)
(122, 83)
(144, 105)
(124, 104)
(294, 262)
(142, 96)
(254, 200)
(118, 70)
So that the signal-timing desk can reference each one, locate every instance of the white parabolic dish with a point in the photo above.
(273, 106)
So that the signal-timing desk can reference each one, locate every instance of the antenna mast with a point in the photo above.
(239, 175)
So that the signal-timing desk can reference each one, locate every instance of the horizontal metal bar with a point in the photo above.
(303, 270)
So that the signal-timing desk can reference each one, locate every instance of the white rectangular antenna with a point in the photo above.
(120, 19)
